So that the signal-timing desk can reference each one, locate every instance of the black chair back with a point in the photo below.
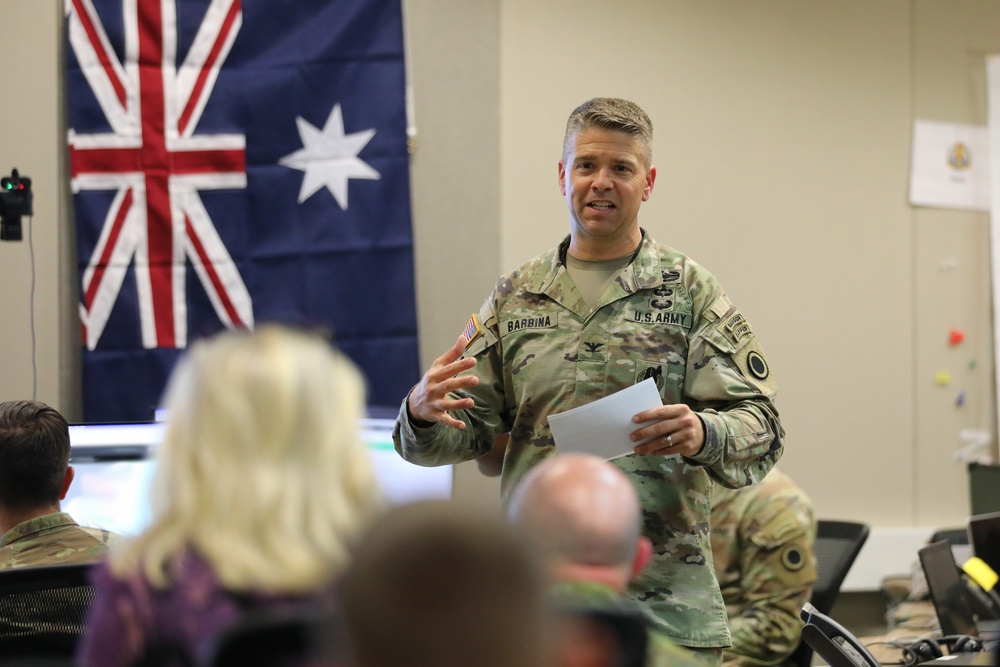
(626, 627)
(267, 638)
(837, 546)
(43, 610)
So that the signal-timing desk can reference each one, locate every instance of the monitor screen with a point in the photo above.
(984, 488)
(984, 536)
(114, 466)
(948, 593)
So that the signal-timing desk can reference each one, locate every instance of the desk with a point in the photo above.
(907, 622)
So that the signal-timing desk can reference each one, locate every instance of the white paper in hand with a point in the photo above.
(604, 426)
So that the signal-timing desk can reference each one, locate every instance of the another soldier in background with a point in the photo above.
(34, 477)
(762, 543)
(584, 514)
(606, 309)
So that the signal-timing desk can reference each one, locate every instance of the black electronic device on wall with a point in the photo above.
(15, 201)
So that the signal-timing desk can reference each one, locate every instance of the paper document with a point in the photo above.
(604, 426)
(950, 166)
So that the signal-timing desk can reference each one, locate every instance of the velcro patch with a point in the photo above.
(540, 321)
(738, 327)
(721, 306)
(792, 558)
(472, 331)
(751, 363)
(757, 365)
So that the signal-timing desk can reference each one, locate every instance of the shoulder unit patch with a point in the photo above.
(792, 558)
(758, 367)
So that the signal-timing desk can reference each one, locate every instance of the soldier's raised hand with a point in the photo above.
(429, 401)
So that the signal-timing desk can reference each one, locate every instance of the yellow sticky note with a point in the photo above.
(981, 573)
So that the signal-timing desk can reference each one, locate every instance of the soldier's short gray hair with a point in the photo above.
(611, 113)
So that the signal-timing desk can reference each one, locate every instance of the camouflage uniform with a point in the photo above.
(541, 351)
(762, 542)
(52, 539)
(661, 651)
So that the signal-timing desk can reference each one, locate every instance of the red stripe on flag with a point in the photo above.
(155, 163)
(130, 160)
(109, 248)
(208, 162)
(103, 161)
(206, 262)
(102, 55)
(213, 56)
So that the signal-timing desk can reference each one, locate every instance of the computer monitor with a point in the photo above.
(984, 536)
(115, 463)
(984, 488)
(950, 595)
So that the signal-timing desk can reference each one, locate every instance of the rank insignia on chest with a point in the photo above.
(472, 331)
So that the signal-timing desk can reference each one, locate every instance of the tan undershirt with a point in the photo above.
(592, 277)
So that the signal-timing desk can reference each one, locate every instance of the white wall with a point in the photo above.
(32, 140)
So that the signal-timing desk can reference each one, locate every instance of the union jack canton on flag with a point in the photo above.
(233, 163)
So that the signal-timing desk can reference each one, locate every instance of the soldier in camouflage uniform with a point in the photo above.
(762, 543)
(34, 477)
(606, 309)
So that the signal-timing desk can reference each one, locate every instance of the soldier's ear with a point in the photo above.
(643, 552)
(67, 480)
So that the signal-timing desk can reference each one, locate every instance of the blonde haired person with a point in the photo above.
(262, 487)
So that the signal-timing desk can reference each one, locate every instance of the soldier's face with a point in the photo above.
(604, 180)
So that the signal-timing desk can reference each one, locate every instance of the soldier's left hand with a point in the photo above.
(677, 430)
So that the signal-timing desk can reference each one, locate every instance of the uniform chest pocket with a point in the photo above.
(532, 345)
(656, 352)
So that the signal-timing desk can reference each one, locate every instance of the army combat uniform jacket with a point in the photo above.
(541, 350)
(762, 543)
(53, 539)
(660, 651)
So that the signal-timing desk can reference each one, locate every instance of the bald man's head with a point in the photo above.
(583, 511)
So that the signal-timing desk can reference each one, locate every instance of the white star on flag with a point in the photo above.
(329, 158)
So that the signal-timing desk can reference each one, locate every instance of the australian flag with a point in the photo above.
(235, 163)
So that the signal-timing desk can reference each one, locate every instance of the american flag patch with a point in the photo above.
(472, 331)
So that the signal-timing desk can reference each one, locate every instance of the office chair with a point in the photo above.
(626, 628)
(279, 637)
(42, 612)
(984, 488)
(950, 535)
(837, 546)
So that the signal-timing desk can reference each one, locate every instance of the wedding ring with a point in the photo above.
(670, 440)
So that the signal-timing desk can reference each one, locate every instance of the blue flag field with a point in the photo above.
(235, 163)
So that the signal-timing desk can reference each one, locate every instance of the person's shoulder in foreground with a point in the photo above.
(448, 586)
(262, 487)
(584, 514)
(53, 539)
(35, 476)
